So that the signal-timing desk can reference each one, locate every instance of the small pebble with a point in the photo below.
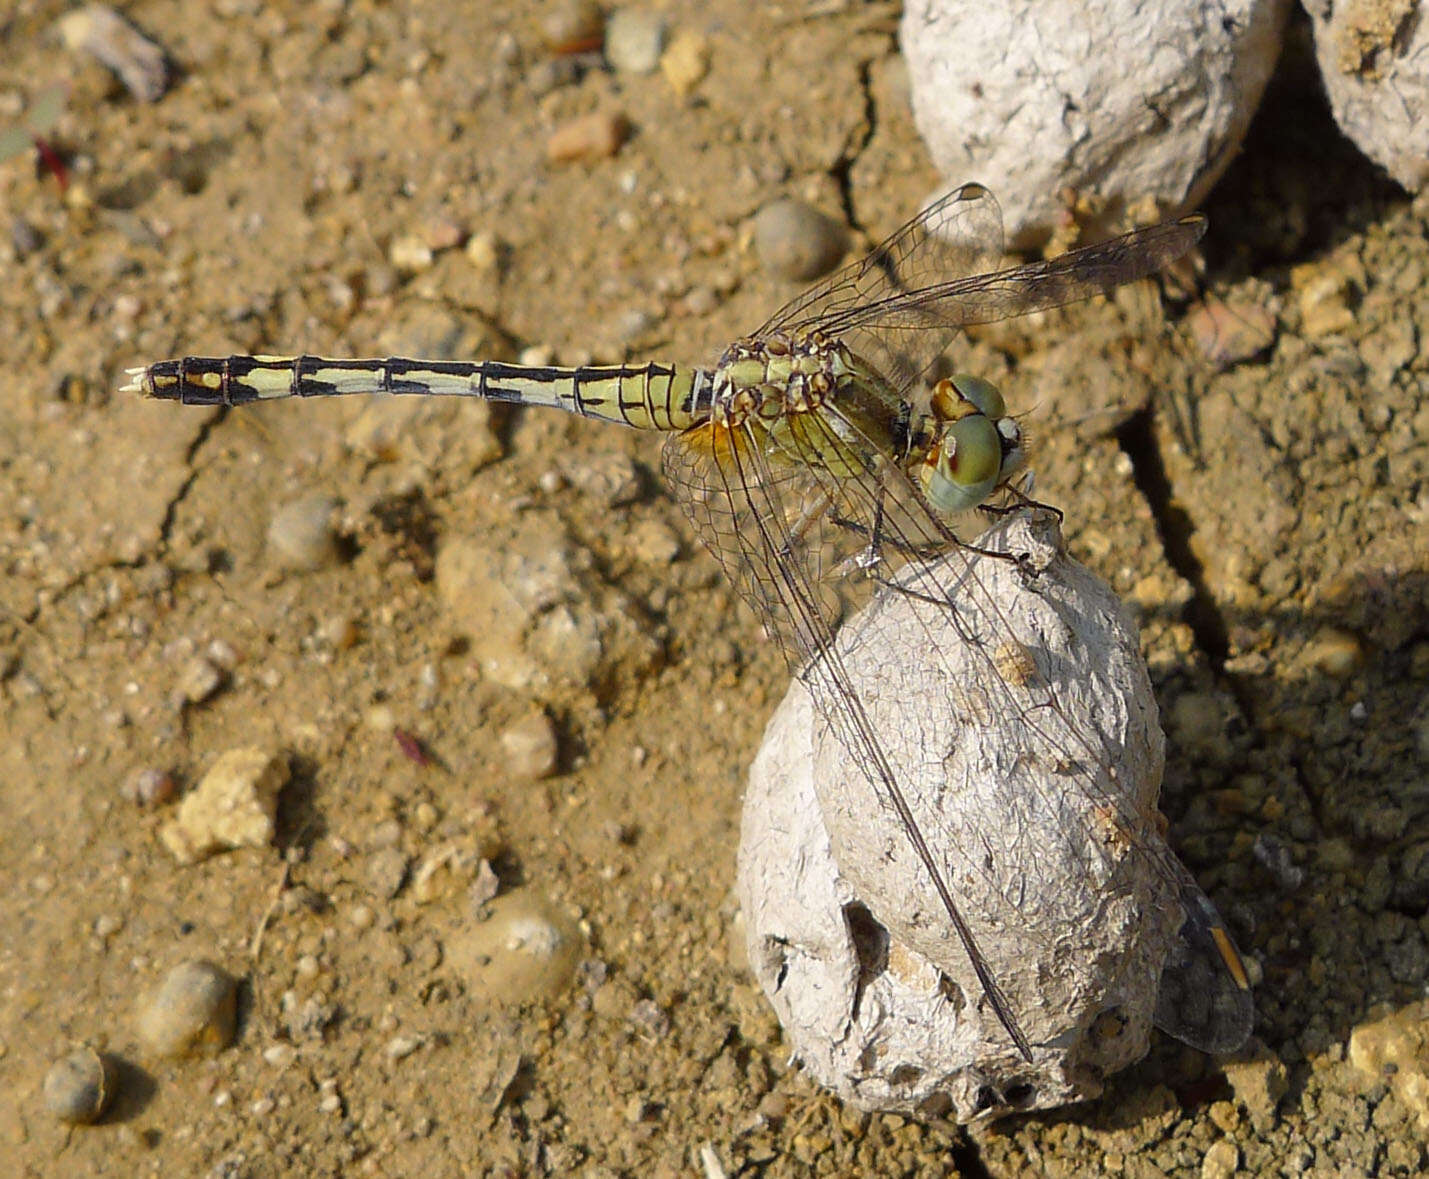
(280, 1055)
(650, 1017)
(78, 1087)
(551, 74)
(24, 237)
(1229, 333)
(537, 356)
(654, 542)
(301, 534)
(222, 654)
(444, 872)
(235, 804)
(1221, 1161)
(340, 632)
(590, 137)
(685, 63)
(199, 680)
(193, 1012)
(796, 241)
(380, 718)
(607, 479)
(573, 26)
(410, 255)
(139, 63)
(442, 233)
(1335, 652)
(305, 1019)
(387, 872)
(531, 747)
(483, 251)
(150, 788)
(1324, 302)
(106, 925)
(524, 949)
(380, 279)
(486, 885)
(633, 40)
(401, 1047)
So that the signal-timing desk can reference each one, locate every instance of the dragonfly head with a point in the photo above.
(976, 446)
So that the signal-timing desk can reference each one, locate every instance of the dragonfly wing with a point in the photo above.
(959, 235)
(900, 306)
(1205, 999)
(958, 302)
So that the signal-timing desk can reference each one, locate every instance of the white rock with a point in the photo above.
(634, 39)
(1041, 816)
(1374, 58)
(1119, 101)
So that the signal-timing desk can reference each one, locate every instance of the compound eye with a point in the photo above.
(980, 393)
(967, 465)
(975, 456)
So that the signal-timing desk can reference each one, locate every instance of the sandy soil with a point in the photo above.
(1268, 520)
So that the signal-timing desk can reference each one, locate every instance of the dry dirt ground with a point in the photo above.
(1267, 519)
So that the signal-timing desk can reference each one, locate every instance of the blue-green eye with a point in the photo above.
(983, 394)
(968, 465)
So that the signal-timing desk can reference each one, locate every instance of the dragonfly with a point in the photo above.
(818, 460)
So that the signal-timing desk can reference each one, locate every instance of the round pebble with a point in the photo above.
(301, 534)
(633, 40)
(78, 1087)
(1335, 652)
(525, 949)
(150, 788)
(530, 746)
(193, 1012)
(796, 241)
(573, 26)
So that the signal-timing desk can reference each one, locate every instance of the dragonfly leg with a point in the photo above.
(1020, 501)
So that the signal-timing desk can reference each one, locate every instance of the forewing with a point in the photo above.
(900, 306)
(986, 298)
(957, 235)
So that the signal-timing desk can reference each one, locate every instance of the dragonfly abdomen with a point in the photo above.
(644, 396)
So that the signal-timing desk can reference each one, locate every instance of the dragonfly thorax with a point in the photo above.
(777, 375)
(803, 399)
